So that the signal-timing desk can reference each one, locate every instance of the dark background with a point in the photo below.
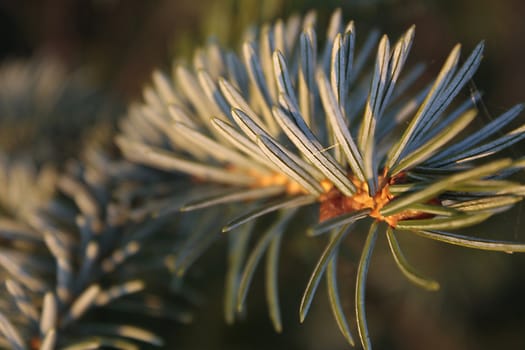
(481, 304)
(125, 40)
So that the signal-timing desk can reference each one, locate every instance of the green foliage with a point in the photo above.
(278, 126)
(247, 146)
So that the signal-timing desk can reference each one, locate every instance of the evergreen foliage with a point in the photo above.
(248, 147)
(284, 125)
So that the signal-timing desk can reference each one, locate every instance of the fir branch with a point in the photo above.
(283, 125)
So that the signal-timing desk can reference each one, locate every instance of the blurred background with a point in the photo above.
(114, 45)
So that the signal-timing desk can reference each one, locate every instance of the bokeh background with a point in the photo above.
(117, 43)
